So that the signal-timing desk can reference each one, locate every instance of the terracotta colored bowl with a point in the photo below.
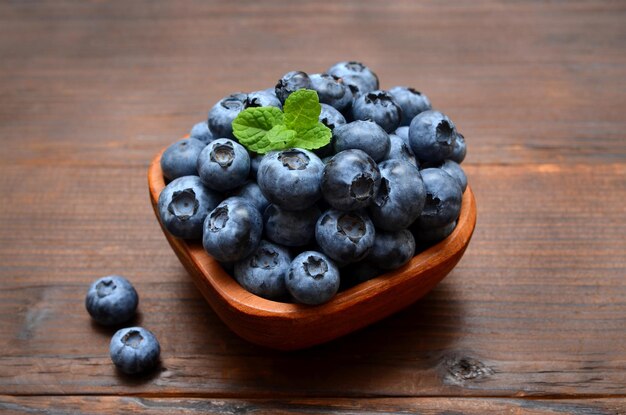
(294, 326)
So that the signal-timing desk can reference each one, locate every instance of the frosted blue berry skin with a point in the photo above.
(400, 150)
(134, 350)
(411, 102)
(223, 113)
(263, 273)
(345, 236)
(459, 150)
(223, 165)
(262, 98)
(331, 90)
(367, 78)
(403, 133)
(111, 300)
(432, 136)
(330, 117)
(290, 83)
(181, 158)
(362, 135)
(392, 250)
(290, 228)
(201, 132)
(456, 171)
(253, 194)
(351, 180)
(313, 278)
(443, 199)
(400, 198)
(291, 178)
(358, 86)
(380, 107)
(184, 204)
(232, 230)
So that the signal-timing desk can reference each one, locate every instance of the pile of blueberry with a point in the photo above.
(112, 301)
(298, 224)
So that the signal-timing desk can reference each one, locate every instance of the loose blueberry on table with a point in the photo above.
(134, 350)
(323, 181)
(111, 300)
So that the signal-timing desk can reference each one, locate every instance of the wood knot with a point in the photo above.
(459, 370)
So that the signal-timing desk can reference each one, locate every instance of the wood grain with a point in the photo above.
(535, 307)
(423, 406)
(89, 91)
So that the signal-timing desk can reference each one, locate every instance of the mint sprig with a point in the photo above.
(263, 129)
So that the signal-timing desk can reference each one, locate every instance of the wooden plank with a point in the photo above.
(425, 406)
(95, 84)
(535, 307)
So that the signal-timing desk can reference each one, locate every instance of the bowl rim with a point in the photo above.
(253, 305)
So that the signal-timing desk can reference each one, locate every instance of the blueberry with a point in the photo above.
(201, 132)
(403, 133)
(291, 82)
(379, 107)
(428, 236)
(455, 170)
(350, 180)
(223, 113)
(111, 300)
(363, 135)
(262, 98)
(400, 150)
(392, 250)
(411, 102)
(459, 150)
(345, 236)
(134, 350)
(183, 205)
(290, 228)
(401, 196)
(368, 79)
(291, 178)
(432, 136)
(253, 194)
(331, 90)
(443, 199)
(232, 230)
(358, 86)
(264, 272)
(224, 165)
(180, 158)
(312, 278)
(330, 117)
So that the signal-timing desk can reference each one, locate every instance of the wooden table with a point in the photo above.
(533, 320)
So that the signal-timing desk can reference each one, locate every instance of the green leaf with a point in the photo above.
(252, 125)
(302, 109)
(278, 138)
(313, 137)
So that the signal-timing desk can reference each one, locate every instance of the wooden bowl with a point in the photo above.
(287, 326)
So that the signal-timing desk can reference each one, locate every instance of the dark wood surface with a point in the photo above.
(532, 320)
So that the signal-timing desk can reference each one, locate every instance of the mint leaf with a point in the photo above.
(252, 125)
(279, 138)
(313, 137)
(302, 109)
